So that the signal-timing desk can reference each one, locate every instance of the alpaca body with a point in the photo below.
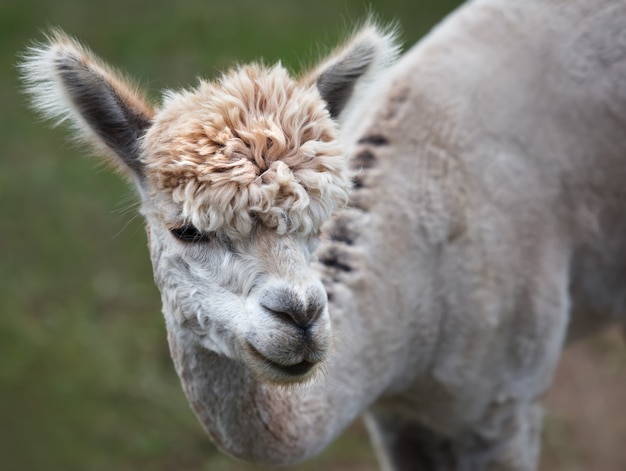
(483, 227)
(508, 128)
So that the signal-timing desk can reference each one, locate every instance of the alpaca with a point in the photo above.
(413, 241)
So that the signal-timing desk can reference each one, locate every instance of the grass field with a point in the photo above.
(86, 382)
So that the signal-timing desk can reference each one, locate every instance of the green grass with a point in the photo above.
(85, 377)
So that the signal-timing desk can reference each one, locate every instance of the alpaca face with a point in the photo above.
(236, 178)
(253, 299)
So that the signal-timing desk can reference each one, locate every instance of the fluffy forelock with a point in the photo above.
(253, 146)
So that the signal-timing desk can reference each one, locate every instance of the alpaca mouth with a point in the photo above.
(283, 372)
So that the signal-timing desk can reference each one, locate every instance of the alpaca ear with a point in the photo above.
(67, 83)
(359, 61)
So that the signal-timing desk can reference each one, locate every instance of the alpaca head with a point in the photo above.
(236, 178)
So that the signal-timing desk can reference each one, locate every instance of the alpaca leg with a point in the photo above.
(403, 444)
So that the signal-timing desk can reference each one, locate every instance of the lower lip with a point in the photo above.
(299, 369)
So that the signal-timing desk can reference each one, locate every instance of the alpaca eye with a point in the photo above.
(189, 234)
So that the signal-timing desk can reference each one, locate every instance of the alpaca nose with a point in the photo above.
(300, 306)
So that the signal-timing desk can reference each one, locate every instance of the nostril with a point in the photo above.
(288, 306)
(285, 317)
(290, 317)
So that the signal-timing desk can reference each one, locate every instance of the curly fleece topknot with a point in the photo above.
(255, 145)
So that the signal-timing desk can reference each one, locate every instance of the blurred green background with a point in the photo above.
(86, 382)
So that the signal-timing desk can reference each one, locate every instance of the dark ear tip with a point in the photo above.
(68, 83)
(370, 51)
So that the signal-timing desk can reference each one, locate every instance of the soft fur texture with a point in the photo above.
(254, 145)
(68, 83)
(485, 227)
